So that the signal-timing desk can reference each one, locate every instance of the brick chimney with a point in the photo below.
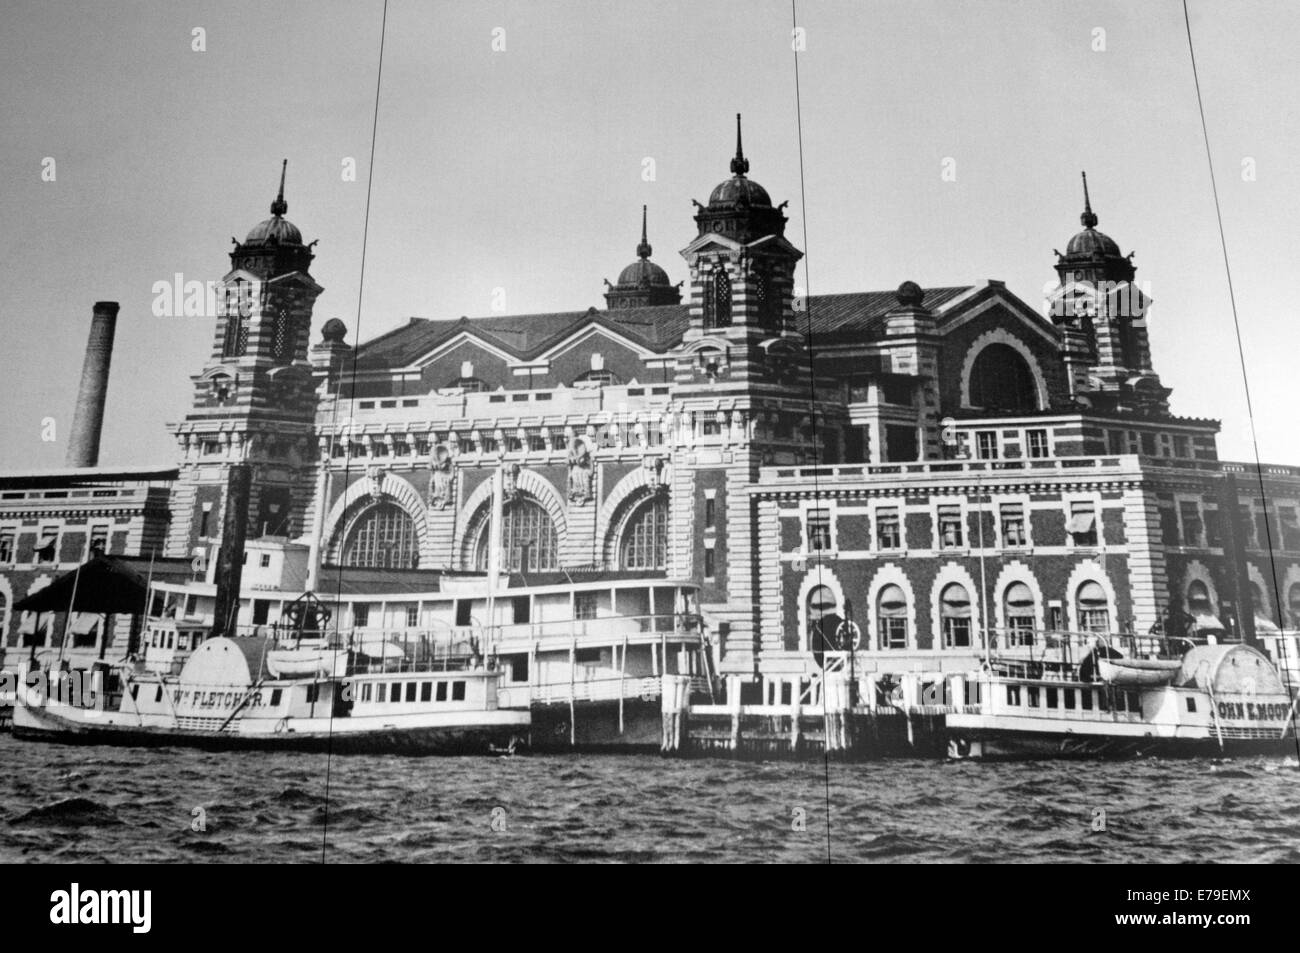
(88, 417)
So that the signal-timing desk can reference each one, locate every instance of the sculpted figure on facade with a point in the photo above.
(580, 472)
(440, 478)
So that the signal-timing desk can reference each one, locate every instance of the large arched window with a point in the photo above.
(823, 618)
(1018, 610)
(645, 536)
(525, 527)
(383, 538)
(1092, 607)
(1002, 380)
(955, 616)
(891, 617)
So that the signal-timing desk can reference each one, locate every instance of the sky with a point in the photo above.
(513, 177)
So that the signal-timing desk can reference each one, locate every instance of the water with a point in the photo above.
(92, 804)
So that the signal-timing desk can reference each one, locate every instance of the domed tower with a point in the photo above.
(254, 401)
(642, 284)
(1101, 312)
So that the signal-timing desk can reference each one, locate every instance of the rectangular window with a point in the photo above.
(1191, 705)
(888, 530)
(1013, 695)
(1033, 696)
(584, 605)
(458, 691)
(7, 547)
(426, 691)
(1182, 447)
(1115, 441)
(1069, 697)
(361, 614)
(464, 613)
(313, 694)
(261, 611)
(1082, 525)
(1051, 698)
(1013, 524)
(1246, 525)
(708, 512)
(1085, 699)
(1149, 444)
(1134, 702)
(277, 694)
(893, 632)
(1213, 533)
(709, 567)
(1037, 441)
(98, 540)
(265, 561)
(956, 633)
(191, 605)
(1290, 527)
(395, 695)
(381, 692)
(365, 692)
(412, 616)
(986, 444)
(1190, 512)
(410, 691)
(950, 534)
(817, 526)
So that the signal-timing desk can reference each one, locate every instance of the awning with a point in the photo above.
(1080, 523)
(105, 584)
(1204, 620)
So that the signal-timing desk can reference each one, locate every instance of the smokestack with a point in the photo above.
(230, 557)
(88, 417)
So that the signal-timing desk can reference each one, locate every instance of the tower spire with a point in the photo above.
(1088, 219)
(739, 165)
(643, 250)
(280, 206)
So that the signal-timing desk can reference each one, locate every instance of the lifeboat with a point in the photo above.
(307, 661)
(1138, 671)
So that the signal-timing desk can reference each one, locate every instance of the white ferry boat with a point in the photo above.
(1087, 695)
(299, 687)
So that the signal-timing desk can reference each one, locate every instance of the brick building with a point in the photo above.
(945, 461)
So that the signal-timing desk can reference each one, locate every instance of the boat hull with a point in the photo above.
(1009, 745)
(507, 731)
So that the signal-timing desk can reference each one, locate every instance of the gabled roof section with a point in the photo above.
(860, 315)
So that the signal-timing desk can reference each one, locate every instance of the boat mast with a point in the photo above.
(494, 548)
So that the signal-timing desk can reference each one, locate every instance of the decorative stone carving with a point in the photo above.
(654, 473)
(374, 481)
(581, 474)
(510, 482)
(440, 478)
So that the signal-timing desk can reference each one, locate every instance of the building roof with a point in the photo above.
(660, 328)
(78, 476)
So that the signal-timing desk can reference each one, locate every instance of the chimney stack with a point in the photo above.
(88, 417)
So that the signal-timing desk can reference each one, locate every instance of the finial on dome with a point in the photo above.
(643, 250)
(1087, 219)
(739, 165)
(280, 206)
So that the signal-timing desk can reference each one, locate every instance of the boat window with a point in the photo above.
(171, 640)
(1134, 702)
(1103, 701)
(1013, 695)
(313, 694)
(381, 692)
(365, 692)
(587, 656)
(518, 667)
(135, 692)
(157, 695)
(1085, 699)
(1051, 698)
(1033, 696)
(463, 611)
(1191, 704)
(197, 639)
(410, 691)
(458, 691)
(442, 692)
(276, 693)
(183, 642)
(426, 691)
(395, 695)
(1068, 693)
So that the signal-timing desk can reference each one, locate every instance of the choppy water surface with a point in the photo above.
(87, 804)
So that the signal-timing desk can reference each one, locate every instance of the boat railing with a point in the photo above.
(604, 630)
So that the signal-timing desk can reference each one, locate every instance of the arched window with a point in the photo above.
(823, 615)
(1198, 599)
(1264, 621)
(1293, 603)
(1002, 380)
(1018, 610)
(282, 337)
(955, 616)
(383, 538)
(891, 617)
(717, 300)
(645, 536)
(525, 526)
(1092, 606)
